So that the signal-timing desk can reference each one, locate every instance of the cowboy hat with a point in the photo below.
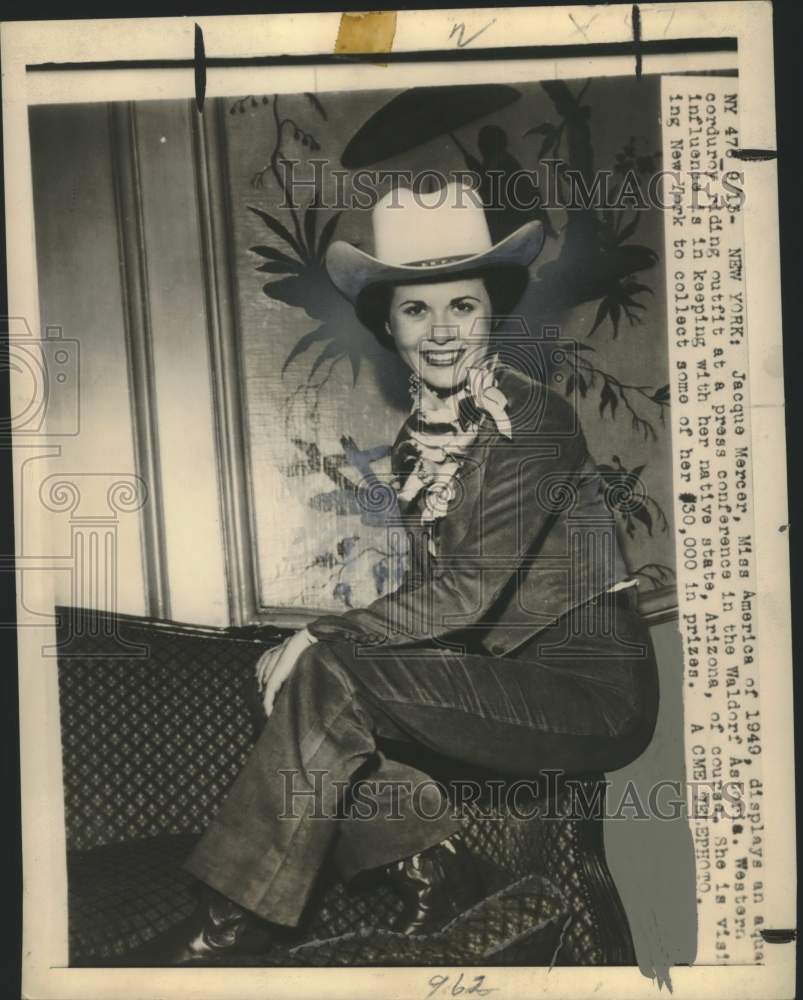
(433, 235)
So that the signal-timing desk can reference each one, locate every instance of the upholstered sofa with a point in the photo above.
(156, 722)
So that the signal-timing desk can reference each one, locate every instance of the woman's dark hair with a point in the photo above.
(505, 286)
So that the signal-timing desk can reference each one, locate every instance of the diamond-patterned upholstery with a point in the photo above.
(156, 723)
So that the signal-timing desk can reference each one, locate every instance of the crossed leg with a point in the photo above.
(267, 844)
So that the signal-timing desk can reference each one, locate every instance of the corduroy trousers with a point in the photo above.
(330, 771)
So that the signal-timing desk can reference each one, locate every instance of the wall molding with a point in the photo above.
(225, 355)
(139, 350)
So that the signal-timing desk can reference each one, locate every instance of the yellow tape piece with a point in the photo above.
(366, 31)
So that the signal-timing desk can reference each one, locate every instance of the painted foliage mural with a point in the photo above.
(325, 399)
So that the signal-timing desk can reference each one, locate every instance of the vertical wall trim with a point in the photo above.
(211, 178)
(139, 347)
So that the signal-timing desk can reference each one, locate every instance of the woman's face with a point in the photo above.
(441, 329)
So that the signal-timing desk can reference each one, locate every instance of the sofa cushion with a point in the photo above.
(156, 721)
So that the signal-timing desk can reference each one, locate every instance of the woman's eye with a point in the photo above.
(463, 307)
(414, 309)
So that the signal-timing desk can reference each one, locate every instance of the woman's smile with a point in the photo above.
(442, 357)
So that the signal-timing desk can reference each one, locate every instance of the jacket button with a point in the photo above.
(497, 649)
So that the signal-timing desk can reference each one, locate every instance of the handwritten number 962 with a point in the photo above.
(475, 987)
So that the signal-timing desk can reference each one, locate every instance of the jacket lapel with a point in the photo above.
(472, 477)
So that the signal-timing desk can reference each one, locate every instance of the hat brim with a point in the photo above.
(353, 270)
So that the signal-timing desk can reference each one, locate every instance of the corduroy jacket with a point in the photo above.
(527, 538)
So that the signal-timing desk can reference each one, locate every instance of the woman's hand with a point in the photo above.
(275, 665)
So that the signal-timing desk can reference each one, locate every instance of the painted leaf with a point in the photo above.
(327, 232)
(280, 230)
(280, 267)
(627, 231)
(634, 287)
(616, 313)
(301, 345)
(310, 225)
(608, 398)
(317, 105)
(332, 350)
(642, 514)
(602, 312)
(273, 254)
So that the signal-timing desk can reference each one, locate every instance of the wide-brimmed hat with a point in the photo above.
(429, 235)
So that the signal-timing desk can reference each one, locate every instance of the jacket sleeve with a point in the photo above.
(505, 523)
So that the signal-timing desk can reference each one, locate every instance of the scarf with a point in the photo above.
(438, 433)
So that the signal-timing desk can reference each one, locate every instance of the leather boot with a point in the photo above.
(217, 933)
(435, 885)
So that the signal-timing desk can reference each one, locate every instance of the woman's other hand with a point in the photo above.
(275, 665)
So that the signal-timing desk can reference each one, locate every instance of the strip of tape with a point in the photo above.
(368, 32)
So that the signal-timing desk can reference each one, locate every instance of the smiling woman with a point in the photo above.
(512, 645)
